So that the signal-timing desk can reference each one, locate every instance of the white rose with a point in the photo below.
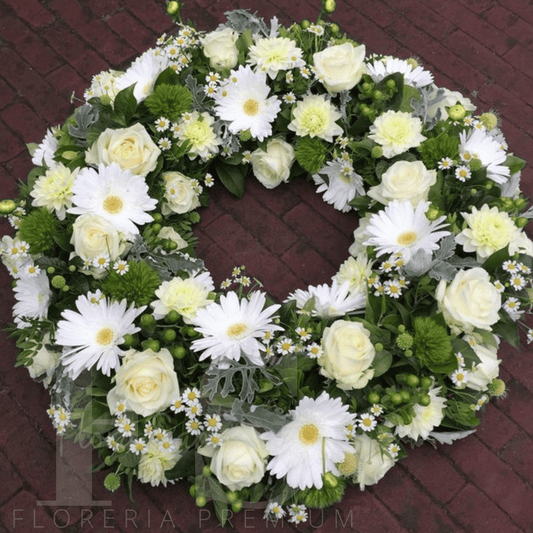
(219, 48)
(450, 99)
(482, 373)
(340, 67)
(240, 460)
(273, 166)
(469, 301)
(132, 148)
(44, 361)
(347, 354)
(146, 381)
(372, 464)
(404, 180)
(180, 194)
(94, 236)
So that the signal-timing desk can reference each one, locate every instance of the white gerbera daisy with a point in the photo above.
(245, 104)
(316, 116)
(54, 189)
(396, 132)
(402, 228)
(92, 335)
(44, 154)
(312, 443)
(184, 295)
(33, 296)
(234, 327)
(416, 77)
(272, 54)
(342, 185)
(114, 194)
(143, 72)
(478, 144)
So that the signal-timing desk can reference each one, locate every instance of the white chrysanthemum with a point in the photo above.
(44, 154)
(54, 189)
(116, 195)
(415, 77)
(488, 231)
(33, 296)
(245, 104)
(198, 130)
(186, 296)
(355, 271)
(272, 54)
(312, 443)
(156, 460)
(478, 144)
(425, 418)
(234, 327)
(402, 228)
(143, 72)
(396, 132)
(342, 185)
(92, 335)
(330, 300)
(316, 116)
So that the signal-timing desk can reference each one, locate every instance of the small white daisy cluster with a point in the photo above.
(395, 284)
(103, 84)
(61, 418)
(297, 513)
(517, 278)
(178, 49)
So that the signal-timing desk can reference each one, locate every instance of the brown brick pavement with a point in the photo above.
(290, 238)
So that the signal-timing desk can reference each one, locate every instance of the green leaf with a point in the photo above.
(382, 362)
(496, 259)
(168, 77)
(507, 329)
(126, 104)
(232, 177)
(514, 163)
(184, 468)
(129, 460)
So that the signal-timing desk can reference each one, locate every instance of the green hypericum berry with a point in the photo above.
(7, 207)
(169, 335)
(237, 506)
(206, 471)
(173, 8)
(377, 152)
(151, 344)
(329, 6)
(424, 400)
(232, 496)
(305, 24)
(192, 490)
(412, 380)
(245, 135)
(521, 222)
(373, 397)
(179, 352)
(201, 501)
(406, 396)
(457, 112)
(426, 382)
(396, 398)
(147, 321)
(112, 482)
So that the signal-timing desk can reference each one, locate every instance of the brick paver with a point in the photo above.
(288, 239)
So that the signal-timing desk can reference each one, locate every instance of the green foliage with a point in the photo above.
(232, 177)
(311, 153)
(432, 345)
(436, 148)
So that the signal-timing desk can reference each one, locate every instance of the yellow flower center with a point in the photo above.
(105, 336)
(237, 330)
(309, 434)
(113, 205)
(406, 238)
(367, 422)
(250, 107)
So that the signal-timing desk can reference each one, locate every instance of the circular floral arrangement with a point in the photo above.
(172, 378)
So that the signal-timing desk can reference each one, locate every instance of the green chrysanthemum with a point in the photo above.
(169, 101)
(432, 346)
(437, 148)
(311, 154)
(138, 285)
(329, 494)
(38, 230)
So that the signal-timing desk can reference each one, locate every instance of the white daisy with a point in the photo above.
(143, 72)
(480, 145)
(92, 335)
(368, 422)
(312, 443)
(460, 378)
(247, 105)
(342, 184)
(33, 296)
(415, 77)
(114, 194)
(402, 228)
(234, 327)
